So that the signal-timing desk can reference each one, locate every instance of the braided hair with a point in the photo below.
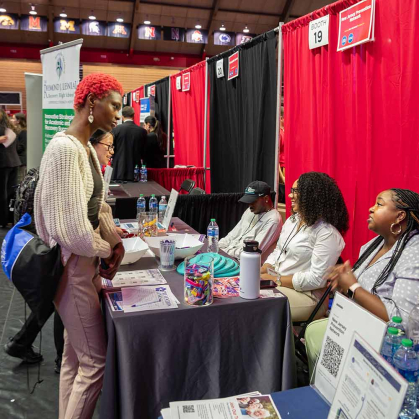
(319, 198)
(408, 201)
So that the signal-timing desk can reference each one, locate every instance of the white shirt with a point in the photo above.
(400, 291)
(264, 228)
(307, 254)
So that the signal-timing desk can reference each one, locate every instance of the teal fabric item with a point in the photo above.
(223, 266)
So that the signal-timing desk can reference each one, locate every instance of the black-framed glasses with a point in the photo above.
(110, 146)
(294, 191)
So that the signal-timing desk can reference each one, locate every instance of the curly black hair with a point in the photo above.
(319, 198)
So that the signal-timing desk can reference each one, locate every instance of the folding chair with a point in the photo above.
(187, 185)
(197, 191)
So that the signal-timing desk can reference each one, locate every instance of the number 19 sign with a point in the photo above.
(318, 32)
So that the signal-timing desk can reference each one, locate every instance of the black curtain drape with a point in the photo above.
(243, 117)
(161, 100)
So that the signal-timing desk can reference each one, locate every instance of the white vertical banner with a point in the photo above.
(61, 75)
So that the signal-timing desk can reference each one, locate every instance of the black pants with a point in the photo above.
(8, 179)
(30, 329)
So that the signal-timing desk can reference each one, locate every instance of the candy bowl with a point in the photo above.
(198, 280)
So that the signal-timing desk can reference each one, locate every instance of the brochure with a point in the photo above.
(134, 278)
(148, 298)
(226, 287)
(115, 300)
(369, 387)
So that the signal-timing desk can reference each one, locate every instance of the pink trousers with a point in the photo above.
(83, 364)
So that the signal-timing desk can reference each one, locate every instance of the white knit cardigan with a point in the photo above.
(63, 191)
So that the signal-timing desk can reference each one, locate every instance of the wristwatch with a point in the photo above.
(352, 289)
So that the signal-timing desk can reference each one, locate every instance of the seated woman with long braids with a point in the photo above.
(385, 278)
(310, 243)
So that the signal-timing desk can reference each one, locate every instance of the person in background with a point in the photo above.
(260, 222)
(130, 142)
(19, 121)
(156, 143)
(385, 278)
(9, 163)
(310, 242)
(69, 211)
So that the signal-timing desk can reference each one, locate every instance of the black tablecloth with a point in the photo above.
(231, 347)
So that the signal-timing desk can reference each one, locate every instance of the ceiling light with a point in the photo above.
(246, 29)
(223, 28)
(119, 19)
(2, 9)
(63, 13)
(147, 22)
(198, 26)
(92, 16)
(33, 11)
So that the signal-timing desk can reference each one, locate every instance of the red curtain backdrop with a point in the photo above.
(173, 178)
(355, 114)
(137, 104)
(188, 110)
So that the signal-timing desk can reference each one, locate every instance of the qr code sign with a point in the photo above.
(332, 356)
(188, 409)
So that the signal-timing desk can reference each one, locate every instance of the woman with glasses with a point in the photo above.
(310, 242)
(102, 142)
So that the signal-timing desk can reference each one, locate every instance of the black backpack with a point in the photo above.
(25, 196)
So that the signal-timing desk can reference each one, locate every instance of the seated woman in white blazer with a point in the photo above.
(310, 242)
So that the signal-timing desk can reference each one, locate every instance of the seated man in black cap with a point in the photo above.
(260, 222)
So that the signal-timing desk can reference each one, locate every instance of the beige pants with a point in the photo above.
(83, 364)
(302, 304)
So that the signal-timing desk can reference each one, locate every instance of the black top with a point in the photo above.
(129, 144)
(154, 156)
(93, 204)
(21, 146)
(8, 155)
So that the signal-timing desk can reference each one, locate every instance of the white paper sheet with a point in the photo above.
(148, 298)
(134, 278)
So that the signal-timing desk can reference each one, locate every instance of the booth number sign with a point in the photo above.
(318, 32)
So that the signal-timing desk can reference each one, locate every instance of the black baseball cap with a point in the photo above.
(254, 191)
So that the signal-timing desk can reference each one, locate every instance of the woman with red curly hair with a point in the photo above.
(70, 210)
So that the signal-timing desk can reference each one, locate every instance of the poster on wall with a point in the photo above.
(9, 21)
(174, 34)
(224, 38)
(34, 23)
(150, 33)
(356, 24)
(152, 90)
(233, 66)
(186, 82)
(60, 71)
(66, 26)
(93, 28)
(197, 36)
(119, 30)
(242, 38)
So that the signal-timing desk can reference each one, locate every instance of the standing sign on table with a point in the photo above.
(356, 24)
(233, 66)
(186, 82)
(60, 70)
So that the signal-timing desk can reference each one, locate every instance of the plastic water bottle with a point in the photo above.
(143, 173)
(152, 205)
(413, 333)
(136, 173)
(406, 362)
(141, 204)
(162, 208)
(213, 233)
(391, 343)
(396, 322)
(250, 270)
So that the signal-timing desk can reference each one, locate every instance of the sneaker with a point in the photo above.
(58, 361)
(26, 354)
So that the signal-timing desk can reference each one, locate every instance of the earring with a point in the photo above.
(91, 118)
(396, 232)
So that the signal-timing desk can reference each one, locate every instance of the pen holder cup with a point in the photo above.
(167, 255)
(147, 224)
(199, 280)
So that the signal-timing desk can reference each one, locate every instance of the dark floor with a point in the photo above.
(16, 379)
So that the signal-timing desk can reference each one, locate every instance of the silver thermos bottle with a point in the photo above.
(250, 270)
